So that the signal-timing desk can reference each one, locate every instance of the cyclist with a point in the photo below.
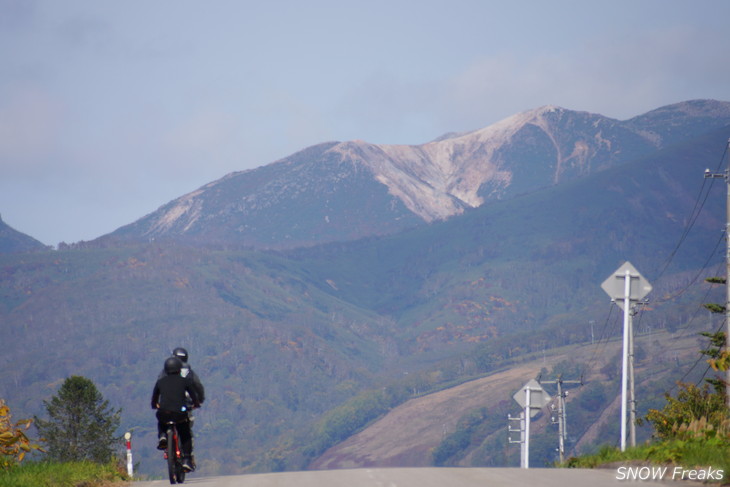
(169, 398)
(186, 371)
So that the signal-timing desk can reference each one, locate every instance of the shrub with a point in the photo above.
(695, 412)
(14, 443)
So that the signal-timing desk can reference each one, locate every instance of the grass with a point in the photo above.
(689, 453)
(71, 474)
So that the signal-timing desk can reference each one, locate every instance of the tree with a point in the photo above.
(692, 404)
(82, 426)
(715, 351)
(719, 356)
(14, 444)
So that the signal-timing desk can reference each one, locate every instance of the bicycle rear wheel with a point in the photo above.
(171, 458)
(179, 472)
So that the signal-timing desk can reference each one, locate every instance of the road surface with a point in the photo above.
(427, 477)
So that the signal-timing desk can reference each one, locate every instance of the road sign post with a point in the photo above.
(531, 398)
(626, 286)
(130, 466)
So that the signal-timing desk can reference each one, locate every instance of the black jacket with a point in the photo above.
(188, 372)
(169, 393)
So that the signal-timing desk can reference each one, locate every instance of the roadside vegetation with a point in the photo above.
(66, 474)
(691, 431)
(693, 453)
(78, 438)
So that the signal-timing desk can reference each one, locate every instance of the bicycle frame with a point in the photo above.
(173, 455)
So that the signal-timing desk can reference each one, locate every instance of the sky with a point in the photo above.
(110, 109)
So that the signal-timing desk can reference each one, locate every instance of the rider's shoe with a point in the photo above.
(187, 465)
(162, 443)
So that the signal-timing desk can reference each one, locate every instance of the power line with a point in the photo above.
(700, 307)
(694, 215)
(589, 364)
(693, 365)
(699, 273)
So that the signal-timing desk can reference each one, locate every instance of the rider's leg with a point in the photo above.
(162, 418)
(191, 418)
(186, 444)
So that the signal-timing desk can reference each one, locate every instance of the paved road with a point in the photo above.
(425, 477)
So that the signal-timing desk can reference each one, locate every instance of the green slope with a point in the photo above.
(282, 338)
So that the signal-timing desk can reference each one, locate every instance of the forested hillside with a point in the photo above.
(285, 339)
(465, 425)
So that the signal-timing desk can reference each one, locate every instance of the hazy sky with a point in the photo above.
(109, 109)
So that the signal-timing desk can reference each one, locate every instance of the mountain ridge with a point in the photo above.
(314, 195)
(11, 240)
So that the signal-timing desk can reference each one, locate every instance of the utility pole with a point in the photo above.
(632, 390)
(625, 357)
(561, 412)
(726, 176)
(631, 383)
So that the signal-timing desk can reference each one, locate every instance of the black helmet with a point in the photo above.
(181, 353)
(173, 365)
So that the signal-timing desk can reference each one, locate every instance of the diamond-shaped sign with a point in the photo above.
(615, 285)
(538, 397)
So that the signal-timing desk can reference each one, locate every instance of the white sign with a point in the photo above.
(538, 397)
(615, 285)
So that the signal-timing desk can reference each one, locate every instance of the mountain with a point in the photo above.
(301, 348)
(316, 195)
(494, 270)
(341, 191)
(12, 240)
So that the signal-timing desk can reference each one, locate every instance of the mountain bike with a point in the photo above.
(173, 455)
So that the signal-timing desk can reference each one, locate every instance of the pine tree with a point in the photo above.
(82, 426)
(719, 359)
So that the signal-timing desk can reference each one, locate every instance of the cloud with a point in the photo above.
(619, 77)
(621, 68)
(30, 121)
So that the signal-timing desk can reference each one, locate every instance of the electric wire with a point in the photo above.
(689, 371)
(690, 223)
(602, 342)
(694, 215)
(703, 375)
(700, 308)
(697, 312)
(698, 274)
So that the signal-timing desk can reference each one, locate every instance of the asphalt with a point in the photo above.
(442, 477)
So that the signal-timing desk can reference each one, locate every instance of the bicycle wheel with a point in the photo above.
(179, 472)
(171, 458)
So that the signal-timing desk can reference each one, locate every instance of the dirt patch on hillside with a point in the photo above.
(406, 435)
